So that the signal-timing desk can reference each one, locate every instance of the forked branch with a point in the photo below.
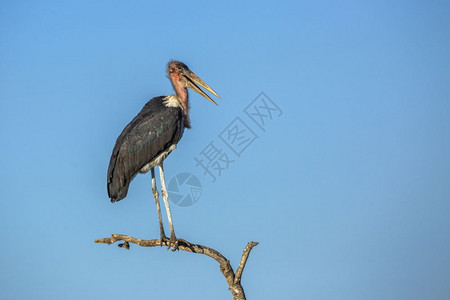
(233, 279)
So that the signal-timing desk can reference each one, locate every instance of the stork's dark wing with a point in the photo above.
(150, 133)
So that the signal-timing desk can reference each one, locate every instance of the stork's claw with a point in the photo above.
(173, 243)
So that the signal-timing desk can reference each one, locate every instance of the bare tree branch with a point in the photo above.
(233, 280)
(244, 258)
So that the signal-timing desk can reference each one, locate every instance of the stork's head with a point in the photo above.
(183, 78)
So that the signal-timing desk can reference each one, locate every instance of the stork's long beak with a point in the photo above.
(193, 82)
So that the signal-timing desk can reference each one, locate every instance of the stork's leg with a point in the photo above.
(158, 208)
(173, 238)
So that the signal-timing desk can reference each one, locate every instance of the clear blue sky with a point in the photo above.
(348, 191)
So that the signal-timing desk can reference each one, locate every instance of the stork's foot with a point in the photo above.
(163, 238)
(173, 243)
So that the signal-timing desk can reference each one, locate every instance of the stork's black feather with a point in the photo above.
(152, 132)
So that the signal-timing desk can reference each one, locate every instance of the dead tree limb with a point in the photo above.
(233, 279)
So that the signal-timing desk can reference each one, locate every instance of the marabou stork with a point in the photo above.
(150, 137)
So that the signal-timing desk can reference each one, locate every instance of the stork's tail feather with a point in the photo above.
(116, 191)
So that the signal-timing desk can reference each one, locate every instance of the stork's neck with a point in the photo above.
(183, 97)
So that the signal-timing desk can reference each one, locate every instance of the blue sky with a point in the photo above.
(347, 191)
